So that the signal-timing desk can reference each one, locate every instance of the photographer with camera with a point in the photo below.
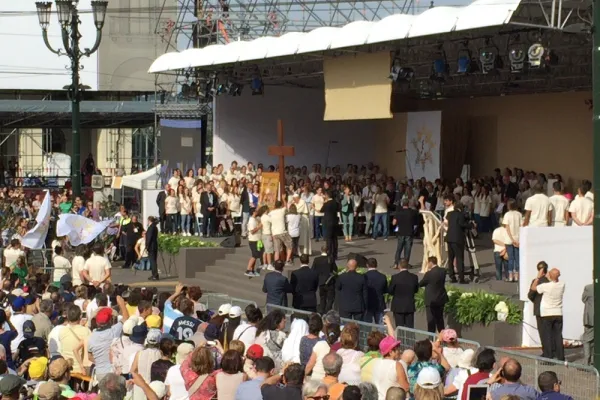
(457, 226)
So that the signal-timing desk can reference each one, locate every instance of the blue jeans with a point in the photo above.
(384, 220)
(513, 258)
(404, 245)
(245, 219)
(198, 223)
(144, 264)
(318, 228)
(486, 224)
(348, 223)
(501, 266)
(172, 223)
(186, 221)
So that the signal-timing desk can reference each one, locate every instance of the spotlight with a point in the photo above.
(399, 73)
(236, 89)
(440, 69)
(487, 58)
(257, 86)
(535, 55)
(517, 58)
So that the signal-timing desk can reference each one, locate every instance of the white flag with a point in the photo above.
(79, 229)
(36, 237)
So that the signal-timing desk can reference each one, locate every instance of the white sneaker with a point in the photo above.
(270, 268)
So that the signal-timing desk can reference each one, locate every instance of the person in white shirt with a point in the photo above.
(77, 265)
(582, 209)
(254, 236)
(560, 206)
(512, 221)
(317, 202)
(381, 201)
(17, 319)
(551, 311)
(485, 209)
(189, 179)
(281, 237)
(174, 180)
(246, 332)
(293, 224)
(232, 173)
(266, 237)
(12, 253)
(62, 266)
(96, 269)
(174, 380)
(501, 240)
(538, 208)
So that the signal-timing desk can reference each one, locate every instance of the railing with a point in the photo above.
(288, 313)
(212, 301)
(578, 381)
(409, 337)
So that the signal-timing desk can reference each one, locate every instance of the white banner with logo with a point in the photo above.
(36, 237)
(423, 139)
(79, 229)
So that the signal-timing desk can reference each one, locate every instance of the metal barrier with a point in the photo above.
(578, 381)
(408, 337)
(288, 313)
(213, 301)
(365, 328)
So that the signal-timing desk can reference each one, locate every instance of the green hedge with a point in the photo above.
(172, 243)
(468, 307)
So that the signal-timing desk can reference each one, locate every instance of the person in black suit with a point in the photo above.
(305, 283)
(152, 247)
(510, 190)
(352, 292)
(160, 202)
(330, 222)
(245, 202)
(209, 201)
(277, 286)
(536, 299)
(456, 238)
(436, 297)
(403, 288)
(405, 220)
(377, 288)
(327, 273)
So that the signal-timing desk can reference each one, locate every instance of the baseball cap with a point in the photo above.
(159, 388)
(255, 351)
(449, 335)
(49, 390)
(129, 325)
(429, 378)
(235, 312)
(224, 309)
(153, 321)
(138, 334)
(37, 368)
(18, 303)
(10, 383)
(153, 336)
(183, 350)
(103, 316)
(211, 332)
(28, 329)
(58, 368)
(388, 344)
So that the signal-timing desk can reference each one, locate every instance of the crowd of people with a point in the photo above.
(78, 340)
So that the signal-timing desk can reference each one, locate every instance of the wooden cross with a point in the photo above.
(281, 151)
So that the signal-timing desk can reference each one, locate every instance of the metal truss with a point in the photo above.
(569, 15)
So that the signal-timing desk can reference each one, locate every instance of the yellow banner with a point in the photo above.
(269, 189)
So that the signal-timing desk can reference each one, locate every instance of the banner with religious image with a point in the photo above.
(79, 229)
(36, 237)
(423, 139)
(269, 189)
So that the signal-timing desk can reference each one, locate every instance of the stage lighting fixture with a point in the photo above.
(236, 89)
(464, 61)
(517, 60)
(440, 69)
(399, 73)
(257, 86)
(535, 54)
(487, 58)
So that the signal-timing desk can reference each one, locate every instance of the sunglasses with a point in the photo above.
(326, 397)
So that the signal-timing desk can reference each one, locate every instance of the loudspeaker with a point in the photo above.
(232, 241)
(361, 260)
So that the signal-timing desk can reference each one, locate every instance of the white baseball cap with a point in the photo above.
(429, 378)
(224, 309)
(159, 388)
(235, 312)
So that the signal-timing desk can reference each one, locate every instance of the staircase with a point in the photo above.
(227, 276)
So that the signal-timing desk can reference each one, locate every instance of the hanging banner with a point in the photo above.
(269, 189)
(79, 229)
(36, 237)
(423, 140)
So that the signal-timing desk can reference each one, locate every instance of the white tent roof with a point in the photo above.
(437, 20)
(144, 180)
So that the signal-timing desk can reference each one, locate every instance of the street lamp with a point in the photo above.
(68, 17)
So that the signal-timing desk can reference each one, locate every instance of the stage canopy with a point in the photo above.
(435, 21)
(147, 180)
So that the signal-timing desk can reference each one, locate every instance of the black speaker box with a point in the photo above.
(232, 241)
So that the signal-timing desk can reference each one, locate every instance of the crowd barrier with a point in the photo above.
(578, 381)
(288, 313)
(212, 301)
(409, 336)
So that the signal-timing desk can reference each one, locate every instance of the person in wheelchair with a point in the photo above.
(224, 219)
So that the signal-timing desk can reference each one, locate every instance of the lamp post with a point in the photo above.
(68, 17)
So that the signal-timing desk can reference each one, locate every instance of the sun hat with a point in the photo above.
(235, 312)
(449, 336)
(37, 368)
(388, 344)
(183, 350)
(429, 378)
(466, 359)
(255, 351)
(138, 334)
(224, 309)
(153, 321)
